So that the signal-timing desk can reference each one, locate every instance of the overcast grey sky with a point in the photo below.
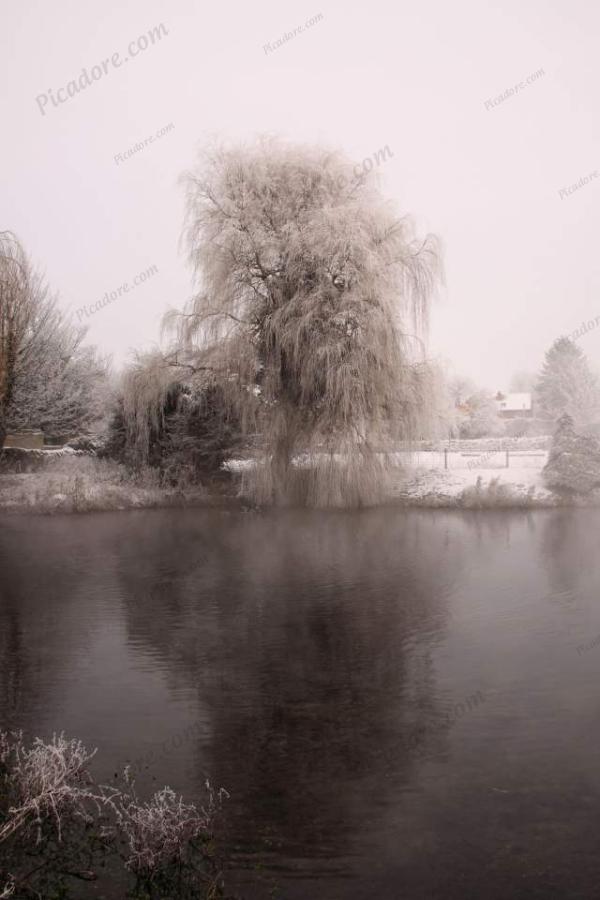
(522, 264)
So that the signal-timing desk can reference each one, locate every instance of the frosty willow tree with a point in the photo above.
(311, 304)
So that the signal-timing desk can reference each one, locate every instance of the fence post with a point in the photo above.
(507, 452)
(445, 457)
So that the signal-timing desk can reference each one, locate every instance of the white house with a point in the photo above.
(514, 406)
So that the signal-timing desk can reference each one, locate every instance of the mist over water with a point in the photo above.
(394, 699)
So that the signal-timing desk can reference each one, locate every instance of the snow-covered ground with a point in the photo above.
(476, 477)
(485, 486)
(472, 474)
(74, 481)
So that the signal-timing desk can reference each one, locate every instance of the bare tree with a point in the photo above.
(14, 288)
(47, 379)
(71, 393)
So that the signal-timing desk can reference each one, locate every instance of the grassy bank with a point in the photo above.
(67, 481)
(71, 482)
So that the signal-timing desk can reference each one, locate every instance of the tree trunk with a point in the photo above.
(281, 462)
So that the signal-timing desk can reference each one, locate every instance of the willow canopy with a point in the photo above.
(311, 303)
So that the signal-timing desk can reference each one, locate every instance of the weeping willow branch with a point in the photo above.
(311, 295)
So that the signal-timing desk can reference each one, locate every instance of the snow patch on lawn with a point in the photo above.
(468, 488)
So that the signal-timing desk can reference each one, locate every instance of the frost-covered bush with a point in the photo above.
(199, 434)
(48, 806)
(573, 465)
(480, 417)
(168, 842)
(47, 783)
(57, 825)
(182, 428)
(495, 494)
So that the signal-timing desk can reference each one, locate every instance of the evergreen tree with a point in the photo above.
(566, 383)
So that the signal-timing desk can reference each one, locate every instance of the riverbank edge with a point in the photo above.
(419, 490)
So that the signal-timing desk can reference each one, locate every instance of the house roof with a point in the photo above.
(514, 402)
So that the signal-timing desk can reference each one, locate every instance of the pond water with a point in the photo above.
(400, 703)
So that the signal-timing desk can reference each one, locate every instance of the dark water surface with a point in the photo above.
(395, 700)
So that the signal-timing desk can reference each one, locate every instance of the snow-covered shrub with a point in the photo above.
(57, 824)
(47, 783)
(495, 494)
(573, 465)
(169, 842)
(479, 417)
(48, 806)
(182, 427)
(199, 434)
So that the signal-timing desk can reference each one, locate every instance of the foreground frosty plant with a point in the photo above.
(56, 823)
(7, 891)
(49, 781)
(159, 833)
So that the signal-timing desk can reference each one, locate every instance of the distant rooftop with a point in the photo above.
(513, 402)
